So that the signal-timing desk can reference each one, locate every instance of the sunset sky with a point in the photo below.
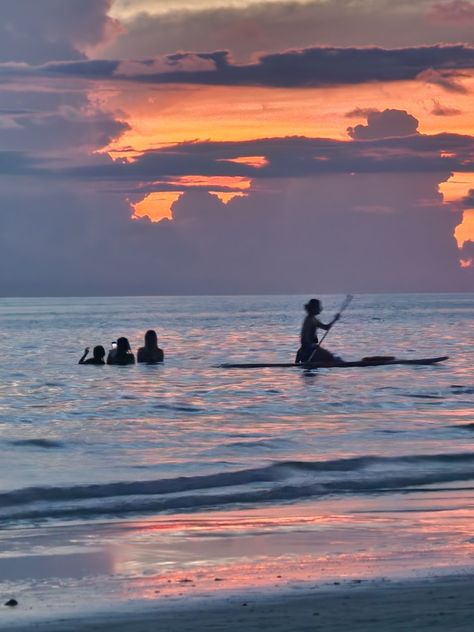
(236, 146)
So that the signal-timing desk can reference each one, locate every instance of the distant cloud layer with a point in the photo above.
(310, 67)
(362, 215)
(155, 28)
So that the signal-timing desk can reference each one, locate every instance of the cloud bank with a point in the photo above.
(309, 67)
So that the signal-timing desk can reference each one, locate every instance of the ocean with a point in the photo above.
(86, 446)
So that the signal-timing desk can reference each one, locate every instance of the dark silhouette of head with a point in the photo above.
(151, 339)
(313, 307)
(123, 345)
(99, 352)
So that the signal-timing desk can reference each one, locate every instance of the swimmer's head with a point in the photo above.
(123, 344)
(99, 352)
(151, 339)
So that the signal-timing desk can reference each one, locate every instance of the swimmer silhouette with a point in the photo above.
(122, 354)
(98, 356)
(151, 352)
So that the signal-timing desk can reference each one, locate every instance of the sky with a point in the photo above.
(236, 146)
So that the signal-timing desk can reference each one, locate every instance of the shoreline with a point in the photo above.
(359, 606)
(174, 568)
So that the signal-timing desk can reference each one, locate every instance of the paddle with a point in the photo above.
(345, 304)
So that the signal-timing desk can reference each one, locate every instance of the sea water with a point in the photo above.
(97, 444)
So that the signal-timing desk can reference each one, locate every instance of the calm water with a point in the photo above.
(85, 442)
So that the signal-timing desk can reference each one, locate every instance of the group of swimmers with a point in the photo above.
(309, 351)
(121, 352)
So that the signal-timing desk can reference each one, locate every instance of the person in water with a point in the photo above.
(98, 356)
(151, 352)
(310, 349)
(122, 354)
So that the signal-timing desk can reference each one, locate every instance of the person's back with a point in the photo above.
(151, 352)
(309, 331)
(122, 354)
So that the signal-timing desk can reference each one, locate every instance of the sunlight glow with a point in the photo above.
(130, 9)
(465, 230)
(251, 161)
(156, 206)
(456, 187)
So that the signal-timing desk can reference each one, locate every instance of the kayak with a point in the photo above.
(341, 364)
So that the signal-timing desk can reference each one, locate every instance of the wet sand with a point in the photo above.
(331, 566)
(444, 603)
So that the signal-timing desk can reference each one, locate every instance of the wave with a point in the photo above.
(286, 481)
(37, 443)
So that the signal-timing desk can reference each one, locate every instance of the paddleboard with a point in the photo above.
(366, 362)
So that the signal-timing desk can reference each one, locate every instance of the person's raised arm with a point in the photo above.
(84, 355)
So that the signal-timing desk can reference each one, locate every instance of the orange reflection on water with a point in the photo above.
(337, 539)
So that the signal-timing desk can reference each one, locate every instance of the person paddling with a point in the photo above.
(310, 349)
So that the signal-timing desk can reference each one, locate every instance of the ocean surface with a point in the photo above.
(88, 443)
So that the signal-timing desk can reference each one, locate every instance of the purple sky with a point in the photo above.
(274, 147)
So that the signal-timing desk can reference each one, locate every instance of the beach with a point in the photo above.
(445, 604)
(167, 497)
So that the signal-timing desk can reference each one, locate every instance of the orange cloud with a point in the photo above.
(457, 187)
(251, 161)
(453, 191)
(233, 182)
(158, 205)
(155, 206)
(465, 230)
(171, 114)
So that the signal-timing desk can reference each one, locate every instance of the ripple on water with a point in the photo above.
(37, 443)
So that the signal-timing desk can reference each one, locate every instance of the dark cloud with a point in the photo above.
(468, 201)
(365, 232)
(73, 129)
(367, 213)
(310, 67)
(449, 80)
(59, 120)
(296, 157)
(42, 30)
(385, 124)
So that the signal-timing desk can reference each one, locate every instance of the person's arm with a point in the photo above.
(84, 355)
(324, 326)
(329, 325)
